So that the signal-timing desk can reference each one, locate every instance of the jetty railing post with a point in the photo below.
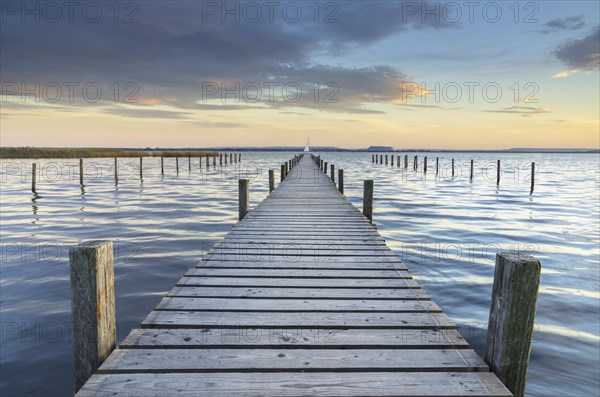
(425, 164)
(498, 173)
(81, 172)
(532, 176)
(92, 306)
(244, 197)
(116, 169)
(333, 173)
(325, 168)
(368, 199)
(282, 172)
(341, 180)
(34, 174)
(141, 168)
(271, 180)
(471, 178)
(512, 315)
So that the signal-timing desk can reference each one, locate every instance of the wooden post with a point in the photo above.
(392, 160)
(368, 199)
(221, 159)
(231, 157)
(34, 175)
(341, 180)
(287, 170)
(141, 168)
(207, 163)
(386, 159)
(162, 165)
(214, 161)
(532, 176)
(200, 162)
(372, 158)
(189, 163)
(498, 173)
(376, 159)
(81, 172)
(244, 197)
(177, 164)
(425, 164)
(282, 172)
(406, 161)
(332, 173)
(116, 169)
(381, 159)
(239, 158)
(397, 161)
(437, 165)
(325, 168)
(271, 180)
(471, 178)
(92, 306)
(512, 315)
(416, 164)
(452, 168)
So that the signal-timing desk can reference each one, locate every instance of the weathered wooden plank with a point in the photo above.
(282, 338)
(309, 265)
(297, 273)
(298, 282)
(295, 320)
(296, 305)
(291, 360)
(285, 292)
(295, 384)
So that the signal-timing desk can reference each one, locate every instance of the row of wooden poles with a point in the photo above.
(389, 159)
(223, 160)
(510, 325)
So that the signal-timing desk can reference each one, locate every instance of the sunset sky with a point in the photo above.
(406, 74)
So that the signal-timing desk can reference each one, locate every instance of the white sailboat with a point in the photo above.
(307, 148)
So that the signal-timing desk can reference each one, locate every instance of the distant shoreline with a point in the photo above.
(34, 152)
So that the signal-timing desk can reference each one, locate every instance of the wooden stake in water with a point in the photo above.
(471, 179)
(368, 199)
(244, 197)
(498, 173)
(271, 180)
(397, 161)
(221, 159)
(214, 161)
(207, 163)
(141, 168)
(386, 159)
(92, 307)
(452, 168)
(437, 165)
(189, 163)
(341, 180)
(325, 168)
(392, 159)
(177, 164)
(81, 172)
(332, 173)
(416, 164)
(532, 176)
(162, 165)
(512, 315)
(406, 161)
(425, 164)
(116, 170)
(282, 172)
(33, 176)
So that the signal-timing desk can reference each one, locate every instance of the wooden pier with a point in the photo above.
(301, 298)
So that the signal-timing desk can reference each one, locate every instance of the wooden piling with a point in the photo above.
(189, 163)
(287, 170)
(207, 163)
(532, 176)
(116, 170)
(437, 165)
(221, 159)
(282, 172)
(368, 199)
(271, 180)
(231, 157)
(325, 168)
(425, 164)
(498, 173)
(471, 177)
(244, 197)
(452, 168)
(93, 307)
(512, 315)
(406, 161)
(33, 176)
(332, 173)
(141, 167)
(381, 159)
(177, 164)
(214, 161)
(81, 172)
(372, 158)
(392, 160)
(386, 159)
(416, 164)
(397, 161)
(162, 165)
(341, 180)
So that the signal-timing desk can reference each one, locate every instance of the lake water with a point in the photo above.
(446, 229)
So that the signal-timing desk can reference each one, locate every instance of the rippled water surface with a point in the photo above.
(447, 229)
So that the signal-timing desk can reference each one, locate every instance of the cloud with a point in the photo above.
(172, 51)
(568, 23)
(211, 124)
(565, 73)
(581, 53)
(524, 111)
(145, 113)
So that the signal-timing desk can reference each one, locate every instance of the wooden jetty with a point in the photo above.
(301, 298)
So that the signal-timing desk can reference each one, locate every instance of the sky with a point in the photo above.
(408, 74)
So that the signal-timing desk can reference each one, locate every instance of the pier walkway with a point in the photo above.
(301, 298)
